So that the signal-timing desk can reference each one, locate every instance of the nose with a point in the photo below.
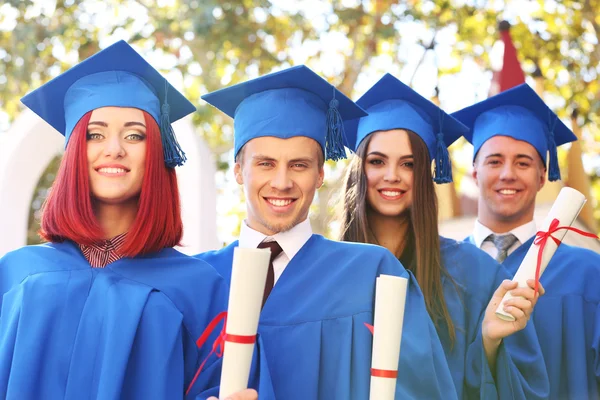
(391, 174)
(282, 180)
(113, 147)
(508, 172)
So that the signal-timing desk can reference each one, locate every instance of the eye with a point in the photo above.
(524, 164)
(265, 164)
(375, 161)
(299, 165)
(94, 136)
(136, 137)
(494, 162)
(409, 164)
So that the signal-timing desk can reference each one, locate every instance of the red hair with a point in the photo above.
(68, 214)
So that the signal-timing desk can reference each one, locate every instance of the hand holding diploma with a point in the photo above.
(248, 394)
(248, 277)
(390, 300)
(520, 306)
(564, 212)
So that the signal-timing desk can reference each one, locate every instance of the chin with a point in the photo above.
(114, 199)
(391, 212)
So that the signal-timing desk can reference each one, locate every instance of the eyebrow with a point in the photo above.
(262, 157)
(127, 124)
(377, 153)
(302, 159)
(517, 156)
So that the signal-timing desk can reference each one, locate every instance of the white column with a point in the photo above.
(25, 151)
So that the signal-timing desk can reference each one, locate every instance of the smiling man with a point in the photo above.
(512, 133)
(319, 292)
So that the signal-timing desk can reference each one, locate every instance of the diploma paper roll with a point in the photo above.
(248, 277)
(566, 208)
(390, 299)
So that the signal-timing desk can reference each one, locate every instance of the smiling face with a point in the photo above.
(116, 154)
(280, 178)
(388, 168)
(509, 173)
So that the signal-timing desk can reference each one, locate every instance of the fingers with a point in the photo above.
(504, 287)
(515, 312)
(525, 292)
(523, 305)
(531, 284)
(248, 394)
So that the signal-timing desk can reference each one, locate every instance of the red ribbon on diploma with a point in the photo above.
(381, 373)
(384, 373)
(541, 238)
(219, 343)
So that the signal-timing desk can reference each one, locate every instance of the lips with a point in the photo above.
(112, 170)
(279, 202)
(508, 192)
(391, 194)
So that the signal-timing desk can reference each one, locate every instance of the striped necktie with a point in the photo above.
(502, 243)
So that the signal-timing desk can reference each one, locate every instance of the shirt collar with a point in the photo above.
(523, 232)
(115, 244)
(291, 241)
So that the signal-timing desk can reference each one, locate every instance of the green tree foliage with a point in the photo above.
(211, 44)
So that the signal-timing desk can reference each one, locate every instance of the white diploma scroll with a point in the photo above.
(565, 209)
(248, 277)
(390, 299)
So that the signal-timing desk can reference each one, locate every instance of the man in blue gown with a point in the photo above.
(512, 133)
(319, 293)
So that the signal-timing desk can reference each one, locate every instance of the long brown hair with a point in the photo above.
(421, 253)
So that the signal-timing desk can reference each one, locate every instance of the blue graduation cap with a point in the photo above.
(521, 114)
(393, 105)
(292, 102)
(119, 77)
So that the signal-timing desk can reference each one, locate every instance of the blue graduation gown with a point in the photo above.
(520, 372)
(312, 325)
(567, 320)
(68, 331)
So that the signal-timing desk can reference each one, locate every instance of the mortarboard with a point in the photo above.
(521, 114)
(393, 105)
(292, 102)
(119, 77)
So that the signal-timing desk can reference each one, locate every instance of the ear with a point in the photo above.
(237, 171)
(321, 177)
(474, 174)
(542, 179)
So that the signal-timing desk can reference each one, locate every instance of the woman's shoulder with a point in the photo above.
(18, 264)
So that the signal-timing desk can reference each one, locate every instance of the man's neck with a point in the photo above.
(499, 224)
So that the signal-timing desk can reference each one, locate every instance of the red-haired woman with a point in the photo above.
(108, 309)
(390, 200)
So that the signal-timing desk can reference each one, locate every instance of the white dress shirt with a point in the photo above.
(290, 241)
(523, 233)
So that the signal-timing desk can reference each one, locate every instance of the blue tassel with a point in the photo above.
(443, 167)
(334, 139)
(553, 168)
(174, 155)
